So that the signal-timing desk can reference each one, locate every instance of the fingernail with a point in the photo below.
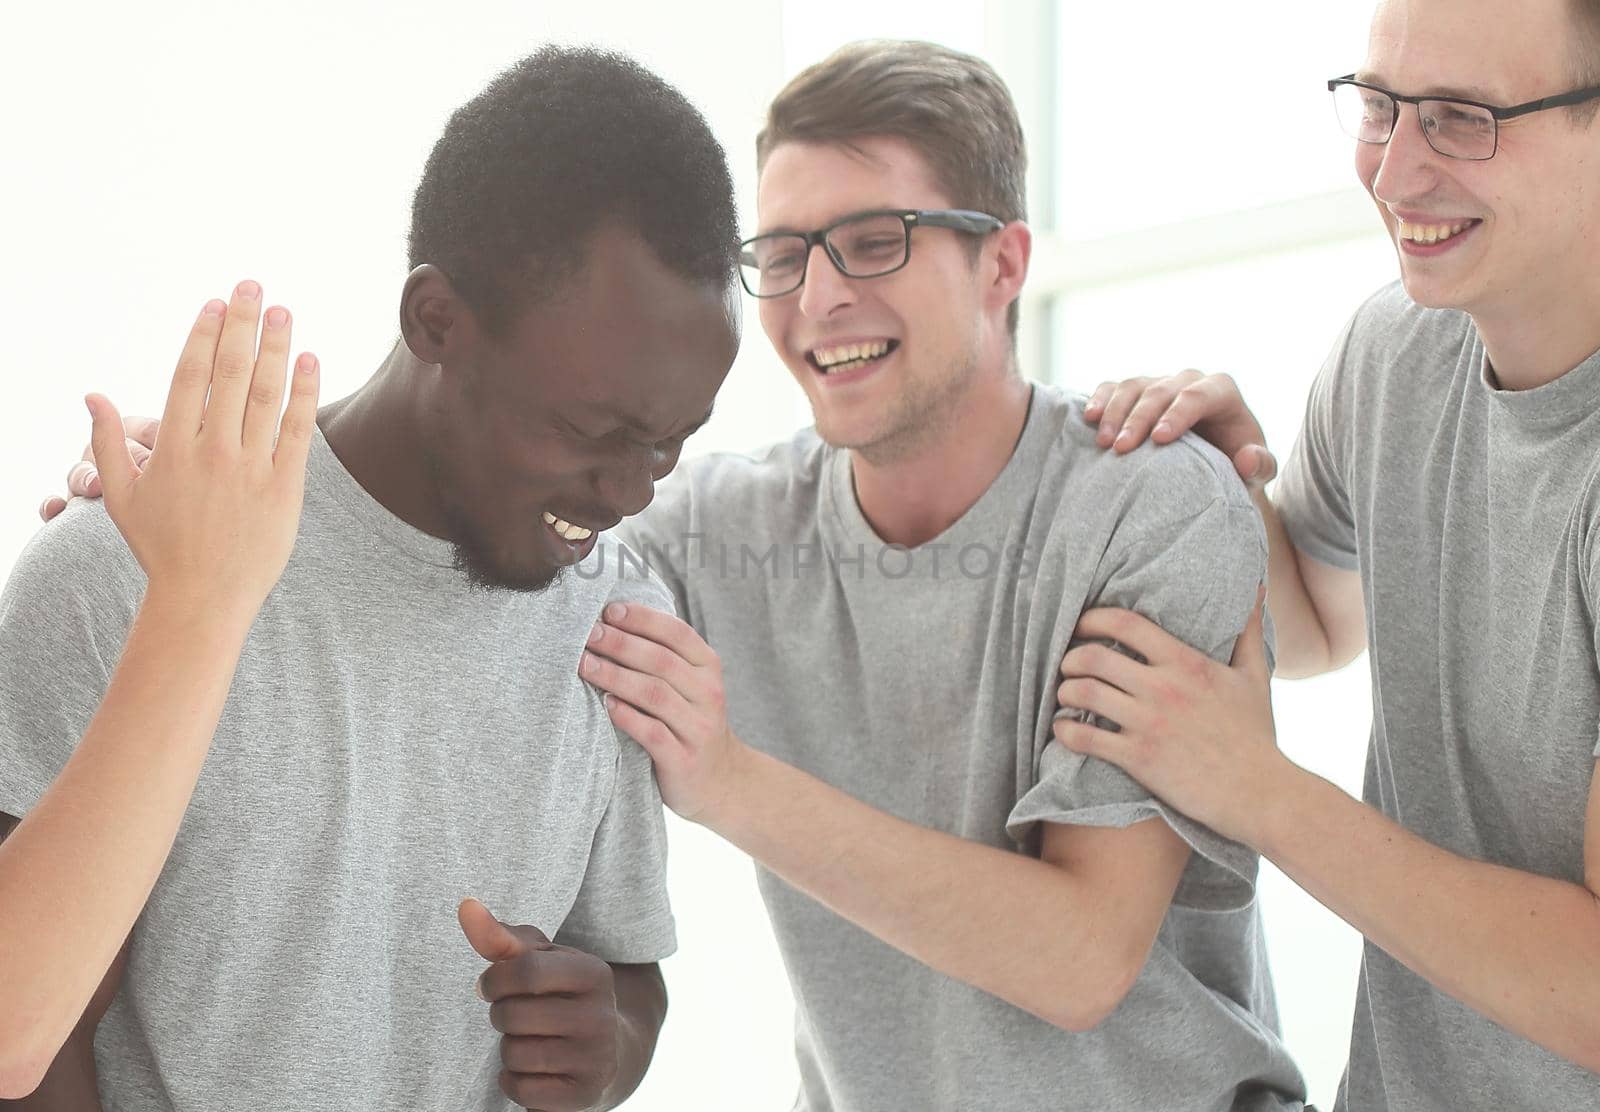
(306, 364)
(1123, 437)
(248, 290)
(1162, 428)
(596, 633)
(477, 987)
(277, 317)
(616, 612)
(214, 308)
(90, 477)
(586, 664)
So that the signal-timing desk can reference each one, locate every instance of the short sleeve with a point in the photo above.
(621, 913)
(1313, 493)
(659, 538)
(64, 615)
(1197, 577)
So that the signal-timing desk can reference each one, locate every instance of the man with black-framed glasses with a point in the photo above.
(860, 695)
(1442, 510)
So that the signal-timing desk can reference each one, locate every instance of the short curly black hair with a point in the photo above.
(564, 142)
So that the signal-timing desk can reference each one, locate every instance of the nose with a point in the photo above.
(627, 485)
(825, 289)
(1407, 166)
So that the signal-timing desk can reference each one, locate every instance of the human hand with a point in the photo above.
(664, 690)
(83, 477)
(555, 1009)
(1163, 409)
(1196, 733)
(213, 516)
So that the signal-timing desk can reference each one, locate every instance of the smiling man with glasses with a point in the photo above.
(972, 917)
(1442, 510)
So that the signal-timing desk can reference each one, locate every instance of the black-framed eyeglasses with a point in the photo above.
(1453, 126)
(862, 245)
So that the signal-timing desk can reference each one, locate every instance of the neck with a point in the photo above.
(913, 498)
(1532, 345)
(377, 434)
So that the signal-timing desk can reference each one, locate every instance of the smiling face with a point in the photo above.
(1511, 236)
(885, 362)
(562, 427)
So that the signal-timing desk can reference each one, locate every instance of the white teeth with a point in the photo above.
(566, 529)
(1429, 234)
(849, 353)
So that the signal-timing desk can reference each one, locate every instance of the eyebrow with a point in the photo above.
(789, 229)
(1460, 92)
(639, 427)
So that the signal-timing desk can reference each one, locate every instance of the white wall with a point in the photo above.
(156, 154)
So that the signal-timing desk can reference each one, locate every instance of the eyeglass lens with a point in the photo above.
(1456, 130)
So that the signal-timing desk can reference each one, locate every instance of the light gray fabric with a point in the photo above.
(393, 742)
(924, 683)
(1473, 515)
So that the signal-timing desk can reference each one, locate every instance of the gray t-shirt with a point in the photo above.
(393, 742)
(924, 683)
(1473, 515)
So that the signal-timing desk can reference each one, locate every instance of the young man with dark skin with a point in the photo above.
(1441, 509)
(971, 916)
(404, 725)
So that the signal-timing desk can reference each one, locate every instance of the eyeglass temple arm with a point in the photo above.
(962, 220)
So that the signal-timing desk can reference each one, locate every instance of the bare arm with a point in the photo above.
(1318, 610)
(1063, 936)
(212, 522)
(1522, 949)
(70, 1084)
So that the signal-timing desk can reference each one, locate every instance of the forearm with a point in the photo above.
(70, 1085)
(1008, 924)
(1523, 950)
(641, 1010)
(85, 858)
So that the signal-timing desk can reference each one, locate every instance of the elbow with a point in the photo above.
(25, 1058)
(1087, 1002)
(20, 1074)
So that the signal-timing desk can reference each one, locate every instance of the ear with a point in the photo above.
(1012, 247)
(434, 320)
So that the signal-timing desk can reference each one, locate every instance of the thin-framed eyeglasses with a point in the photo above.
(1453, 126)
(862, 245)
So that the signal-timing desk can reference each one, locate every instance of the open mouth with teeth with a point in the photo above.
(572, 534)
(1427, 235)
(841, 358)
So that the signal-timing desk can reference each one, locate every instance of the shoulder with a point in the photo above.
(1142, 489)
(78, 555)
(788, 466)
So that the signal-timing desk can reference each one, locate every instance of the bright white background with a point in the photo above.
(1191, 191)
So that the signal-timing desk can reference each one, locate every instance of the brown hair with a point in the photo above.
(1586, 55)
(952, 108)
